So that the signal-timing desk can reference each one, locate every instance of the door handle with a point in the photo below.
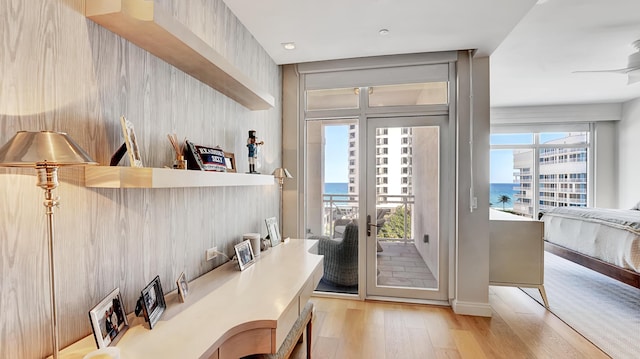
(369, 225)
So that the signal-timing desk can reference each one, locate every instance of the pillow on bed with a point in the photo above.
(636, 207)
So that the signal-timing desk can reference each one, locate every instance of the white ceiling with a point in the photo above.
(534, 48)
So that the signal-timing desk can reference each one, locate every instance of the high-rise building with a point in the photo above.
(562, 178)
(393, 161)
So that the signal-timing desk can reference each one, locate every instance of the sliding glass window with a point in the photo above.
(536, 168)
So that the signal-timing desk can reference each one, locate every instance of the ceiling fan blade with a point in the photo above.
(634, 76)
(616, 71)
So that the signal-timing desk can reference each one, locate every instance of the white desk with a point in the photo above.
(227, 313)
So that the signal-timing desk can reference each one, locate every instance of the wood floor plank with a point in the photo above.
(531, 324)
(519, 328)
(467, 345)
(447, 354)
(351, 343)
(421, 346)
(438, 326)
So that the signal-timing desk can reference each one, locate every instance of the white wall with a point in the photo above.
(472, 252)
(605, 166)
(426, 189)
(60, 71)
(628, 150)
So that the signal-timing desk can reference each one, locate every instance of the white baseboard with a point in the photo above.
(471, 308)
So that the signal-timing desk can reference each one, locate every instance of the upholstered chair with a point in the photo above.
(340, 257)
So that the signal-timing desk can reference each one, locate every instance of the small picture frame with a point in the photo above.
(183, 287)
(109, 320)
(244, 253)
(273, 231)
(153, 304)
(131, 143)
(230, 161)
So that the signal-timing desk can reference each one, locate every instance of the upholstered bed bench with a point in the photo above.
(295, 335)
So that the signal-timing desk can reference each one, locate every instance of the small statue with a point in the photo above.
(252, 145)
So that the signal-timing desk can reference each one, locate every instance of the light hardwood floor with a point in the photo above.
(519, 328)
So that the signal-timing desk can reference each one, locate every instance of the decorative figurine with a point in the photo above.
(252, 145)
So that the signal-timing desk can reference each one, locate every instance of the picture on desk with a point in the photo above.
(272, 231)
(183, 287)
(131, 142)
(108, 320)
(244, 253)
(153, 304)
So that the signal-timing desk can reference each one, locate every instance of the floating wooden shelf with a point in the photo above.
(132, 177)
(156, 31)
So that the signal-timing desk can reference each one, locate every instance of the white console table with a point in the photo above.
(516, 252)
(227, 313)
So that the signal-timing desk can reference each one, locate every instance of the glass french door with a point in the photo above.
(331, 197)
(408, 199)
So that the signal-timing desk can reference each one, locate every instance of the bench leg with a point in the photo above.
(309, 334)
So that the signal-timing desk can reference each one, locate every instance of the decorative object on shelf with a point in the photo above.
(230, 162)
(280, 174)
(255, 242)
(183, 287)
(254, 149)
(204, 158)
(244, 253)
(272, 230)
(151, 302)
(264, 244)
(179, 163)
(109, 320)
(131, 143)
(45, 151)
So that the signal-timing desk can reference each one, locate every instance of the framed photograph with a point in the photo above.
(273, 231)
(204, 158)
(109, 320)
(131, 143)
(244, 254)
(183, 287)
(230, 161)
(153, 304)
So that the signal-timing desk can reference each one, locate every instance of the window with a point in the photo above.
(539, 170)
(426, 93)
(332, 99)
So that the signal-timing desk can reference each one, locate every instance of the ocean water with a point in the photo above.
(495, 190)
(498, 189)
(336, 188)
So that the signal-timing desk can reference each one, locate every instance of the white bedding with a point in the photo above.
(596, 238)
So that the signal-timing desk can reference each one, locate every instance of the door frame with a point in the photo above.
(367, 249)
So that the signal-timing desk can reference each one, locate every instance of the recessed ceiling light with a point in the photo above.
(383, 32)
(289, 45)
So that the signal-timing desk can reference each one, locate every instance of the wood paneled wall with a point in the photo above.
(60, 71)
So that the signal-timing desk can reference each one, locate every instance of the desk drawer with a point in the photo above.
(286, 321)
(249, 342)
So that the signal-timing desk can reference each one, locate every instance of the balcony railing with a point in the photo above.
(341, 208)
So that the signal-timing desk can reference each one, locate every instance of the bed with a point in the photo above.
(605, 240)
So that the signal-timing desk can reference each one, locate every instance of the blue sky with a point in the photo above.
(501, 170)
(336, 161)
(336, 156)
